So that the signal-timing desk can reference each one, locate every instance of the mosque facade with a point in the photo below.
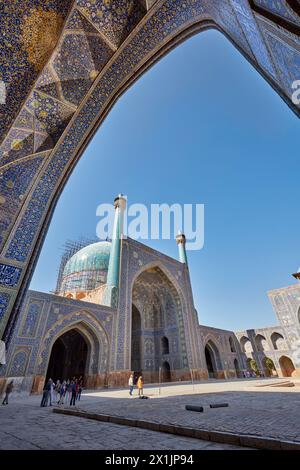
(121, 306)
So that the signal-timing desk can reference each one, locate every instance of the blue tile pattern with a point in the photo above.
(4, 301)
(15, 182)
(30, 324)
(94, 26)
(18, 366)
(9, 275)
(115, 19)
(23, 49)
(280, 8)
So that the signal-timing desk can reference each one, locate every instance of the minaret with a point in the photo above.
(111, 292)
(180, 239)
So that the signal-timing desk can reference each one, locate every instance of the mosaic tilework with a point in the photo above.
(251, 30)
(178, 288)
(123, 65)
(45, 316)
(287, 59)
(15, 182)
(159, 308)
(4, 301)
(280, 8)
(29, 30)
(24, 120)
(51, 115)
(70, 320)
(18, 144)
(89, 55)
(30, 324)
(115, 19)
(18, 366)
(9, 275)
(48, 83)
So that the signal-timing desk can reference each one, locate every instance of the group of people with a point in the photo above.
(62, 392)
(247, 374)
(139, 382)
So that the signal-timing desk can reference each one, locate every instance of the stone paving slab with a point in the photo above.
(252, 411)
(26, 426)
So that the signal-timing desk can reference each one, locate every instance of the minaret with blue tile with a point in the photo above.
(111, 293)
(180, 239)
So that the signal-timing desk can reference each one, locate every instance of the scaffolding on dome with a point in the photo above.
(69, 249)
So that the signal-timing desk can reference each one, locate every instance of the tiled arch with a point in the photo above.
(92, 331)
(54, 123)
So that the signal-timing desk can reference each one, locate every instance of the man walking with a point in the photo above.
(46, 393)
(73, 391)
(8, 390)
(130, 384)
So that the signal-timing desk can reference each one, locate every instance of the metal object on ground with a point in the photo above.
(194, 408)
(218, 405)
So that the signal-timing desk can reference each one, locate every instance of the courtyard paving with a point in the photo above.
(264, 408)
(26, 426)
(255, 408)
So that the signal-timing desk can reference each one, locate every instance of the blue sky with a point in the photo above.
(201, 126)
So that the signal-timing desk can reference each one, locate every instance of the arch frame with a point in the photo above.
(176, 294)
(182, 31)
(94, 335)
(212, 345)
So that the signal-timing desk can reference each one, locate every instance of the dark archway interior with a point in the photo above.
(237, 368)
(165, 345)
(209, 362)
(136, 362)
(68, 357)
(166, 372)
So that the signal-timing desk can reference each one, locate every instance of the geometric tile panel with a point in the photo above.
(280, 8)
(52, 115)
(9, 275)
(30, 324)
(80, 59)
(287, 58)
(14, 184)
(247, 21)
(4, 301)
(18, 366)
(29, 32)
(48, 83)
(24, 120)
(18, 144)
(114, 19)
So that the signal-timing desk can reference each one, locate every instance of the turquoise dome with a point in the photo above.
(87, 268)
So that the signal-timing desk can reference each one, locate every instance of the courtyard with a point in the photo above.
(260, 414)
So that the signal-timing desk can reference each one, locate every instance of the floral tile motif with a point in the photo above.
(80, 59)
(24, 120)
(52, 115)
(18, 144)
(4, 301)
(29, 32)
(15, 182)
(48, 84)
(78, 23)
(116, 19)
